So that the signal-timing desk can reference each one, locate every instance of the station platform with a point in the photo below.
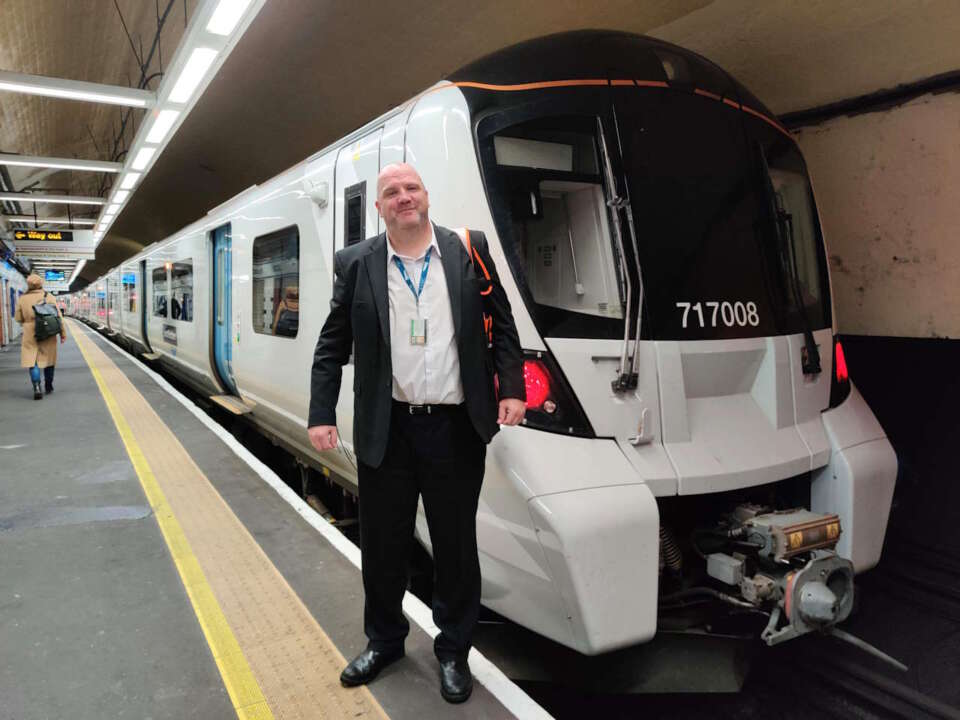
(150, 567)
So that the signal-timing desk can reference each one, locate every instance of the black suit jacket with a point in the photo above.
(359, 320)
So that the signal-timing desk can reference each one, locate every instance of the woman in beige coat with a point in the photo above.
(34, 354)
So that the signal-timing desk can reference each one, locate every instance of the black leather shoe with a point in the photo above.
(37, 393)
(456, 682)
(48, 389)
(367, 665)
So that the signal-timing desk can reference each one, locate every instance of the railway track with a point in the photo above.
(839, 683)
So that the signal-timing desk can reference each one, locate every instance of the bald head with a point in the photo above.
(394, 170)
(402, 200)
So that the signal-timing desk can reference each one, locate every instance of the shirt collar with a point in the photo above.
(433, 243)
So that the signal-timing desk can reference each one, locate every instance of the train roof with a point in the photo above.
(577, 55)
(604, 54)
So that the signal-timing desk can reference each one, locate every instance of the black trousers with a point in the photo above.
(441, 458)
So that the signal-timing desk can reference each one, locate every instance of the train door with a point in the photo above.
(114, 311)
(141, 291)
(4, 339)
(222, 311)
(356, 219)
(358, 165)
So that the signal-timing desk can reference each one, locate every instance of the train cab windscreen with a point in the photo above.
(548, 195)
(714, 204)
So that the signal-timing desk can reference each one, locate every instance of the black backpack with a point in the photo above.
(46, 320)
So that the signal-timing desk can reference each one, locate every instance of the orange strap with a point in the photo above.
(465, 236)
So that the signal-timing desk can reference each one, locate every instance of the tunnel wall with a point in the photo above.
(887, 183)
(888, 187)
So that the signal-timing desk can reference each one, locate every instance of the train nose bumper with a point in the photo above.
(601, 547)
(813, 598)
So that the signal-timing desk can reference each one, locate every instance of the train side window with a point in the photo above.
(129, 287)
(276, 283)
(181, 291)
(113, 298)
(355, 216)
(160, 292)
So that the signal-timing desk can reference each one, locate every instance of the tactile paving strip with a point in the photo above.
(254, 618)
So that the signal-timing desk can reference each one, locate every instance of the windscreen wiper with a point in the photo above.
(783, 224)
(624, 380)
(628, 209)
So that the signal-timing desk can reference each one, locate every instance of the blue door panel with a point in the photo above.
(222, 310)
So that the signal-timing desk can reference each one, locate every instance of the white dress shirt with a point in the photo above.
(426, 374)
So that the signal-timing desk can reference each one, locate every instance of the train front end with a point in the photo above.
(694, 449)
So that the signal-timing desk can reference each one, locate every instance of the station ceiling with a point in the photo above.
(307, 72)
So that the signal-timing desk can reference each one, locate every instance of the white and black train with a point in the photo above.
(691, 429)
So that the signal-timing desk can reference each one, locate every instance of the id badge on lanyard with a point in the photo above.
(418, 331)
(418, 325)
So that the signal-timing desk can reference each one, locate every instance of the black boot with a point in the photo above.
(37, 394)
(456, 681)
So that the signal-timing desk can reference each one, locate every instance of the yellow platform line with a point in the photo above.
(238, 679)
(271, 652)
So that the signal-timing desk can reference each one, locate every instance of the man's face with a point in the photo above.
(402, 200)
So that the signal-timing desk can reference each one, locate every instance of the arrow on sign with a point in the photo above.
(19, 235)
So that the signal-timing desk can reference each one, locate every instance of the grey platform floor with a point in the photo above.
(94, 620)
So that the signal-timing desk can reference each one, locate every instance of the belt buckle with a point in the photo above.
(419, 409)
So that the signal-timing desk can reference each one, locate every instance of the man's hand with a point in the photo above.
(511, 411)
(323, 437)
(62, 339)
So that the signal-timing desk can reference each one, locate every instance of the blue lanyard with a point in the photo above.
(423, 273)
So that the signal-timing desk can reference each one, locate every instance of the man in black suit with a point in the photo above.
(410, 304)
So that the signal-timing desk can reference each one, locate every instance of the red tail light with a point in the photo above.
(537, 380)
(840, 383)
(842, 374)
(551, 404)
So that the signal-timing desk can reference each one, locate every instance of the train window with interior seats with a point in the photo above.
(128, 282)
(181, 291)
(355, 216)
(276, 283)
(160, 292)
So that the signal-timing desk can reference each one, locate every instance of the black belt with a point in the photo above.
(408, 409)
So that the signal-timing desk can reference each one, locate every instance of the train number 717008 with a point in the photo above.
(731, 314)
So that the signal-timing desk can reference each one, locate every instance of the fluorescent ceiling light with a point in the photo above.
(65, 199)
(129, 180)
(192, 73)
(113, 208)
(74, 90)
(76, 271)
(161, 126)
(59, 163)
(143, 158)
(120, 195)
(226, 16)
(50, 221)
(108, 215)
